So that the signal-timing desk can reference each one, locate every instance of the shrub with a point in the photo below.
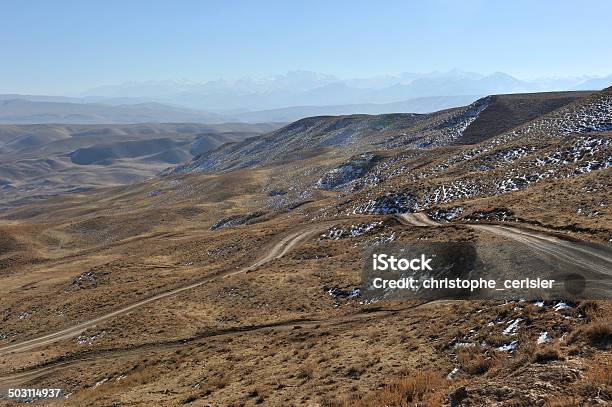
(425, 387)
(473, 361)
(599, 332)
(547, 354)
(561, 401)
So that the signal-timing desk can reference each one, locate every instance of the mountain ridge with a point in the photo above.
(361, 133)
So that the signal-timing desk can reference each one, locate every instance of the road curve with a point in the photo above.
(599, 259)
(594, 261)
(417, 219)
(278, 250)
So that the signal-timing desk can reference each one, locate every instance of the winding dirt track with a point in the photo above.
(278, 250)
(417, 219)
(593, 262)
(595, 259)
(599, 259)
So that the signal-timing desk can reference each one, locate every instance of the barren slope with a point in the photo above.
(43, 160)
(239, 287)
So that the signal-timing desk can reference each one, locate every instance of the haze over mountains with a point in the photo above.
(303, 88)
(285, 97)
(23, 110)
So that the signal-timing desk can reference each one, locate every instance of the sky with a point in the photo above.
(63, 47)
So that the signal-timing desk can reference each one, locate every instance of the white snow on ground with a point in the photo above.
(388, 204)
(561, 306)
(337, 233)
(464, 345)
(347, 172)
(455, 126)
(586, 154)
(463, 188)
(469, 116)
(509, 347)
(453, 373)
(446, 214)
(444, 129)
(571, 149)
(577, 151)
(336, 293)
(539, 304)
(84, 339)
(522, 181)
(25, 314)
(512, 327)
(575, 156)
(384, 238)
(595, 116)
(543, 338)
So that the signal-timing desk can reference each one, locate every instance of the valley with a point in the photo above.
(38, 161)
(231, 275)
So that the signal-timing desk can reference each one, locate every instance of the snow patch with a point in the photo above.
(512, 327)
(543, 338)
(453, 373)
(509, 347)
(337, 233)
(560, 306)
(389, 204)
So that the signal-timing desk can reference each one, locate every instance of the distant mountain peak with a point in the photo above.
(310, 88)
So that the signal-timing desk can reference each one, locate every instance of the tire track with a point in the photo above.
(566, 251)
(24, 376)
(278, 250)
(595, 262)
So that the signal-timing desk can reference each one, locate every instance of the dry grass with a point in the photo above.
(561, 401)
(496, 339)
(597, 381)
(422, 388)
(307, 370)
(598, 332)
(473, 360)
(591, 309)
(547, 354)
(336, 359)
(601, 371)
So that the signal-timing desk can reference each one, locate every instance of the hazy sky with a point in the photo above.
(58, 46)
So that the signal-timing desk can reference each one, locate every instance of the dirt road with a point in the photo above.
(27, 375)
(598, 259)
(593, 262)
(278, 250)
(593, 259)
(417, 219)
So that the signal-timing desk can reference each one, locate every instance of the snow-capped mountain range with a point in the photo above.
(278, 98)
(304, 88)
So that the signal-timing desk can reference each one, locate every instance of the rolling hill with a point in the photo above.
(45, 159)
(350, 135)
(236, 279)
(23, 111)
